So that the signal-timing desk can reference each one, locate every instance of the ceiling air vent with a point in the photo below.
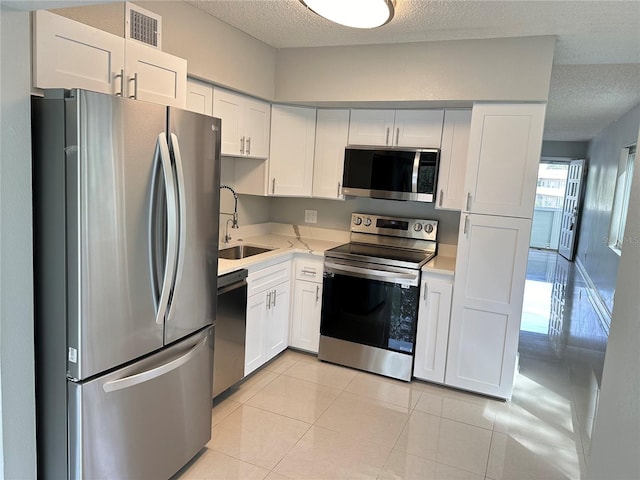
(143, 25)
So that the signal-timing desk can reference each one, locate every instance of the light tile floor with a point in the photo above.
(298, 418)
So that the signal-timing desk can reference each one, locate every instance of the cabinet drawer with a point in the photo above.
(309, 270)
(268, 278)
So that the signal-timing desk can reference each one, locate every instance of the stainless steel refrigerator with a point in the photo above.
(126, 203)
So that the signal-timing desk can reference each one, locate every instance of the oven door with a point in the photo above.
(372, 305)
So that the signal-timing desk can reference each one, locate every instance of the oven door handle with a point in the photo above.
(385, 276)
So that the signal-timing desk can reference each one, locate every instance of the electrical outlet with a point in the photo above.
(310, 216)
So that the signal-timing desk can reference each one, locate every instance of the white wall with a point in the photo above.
(615, 446)
(465, 70)
(600, 262)
(17, 388)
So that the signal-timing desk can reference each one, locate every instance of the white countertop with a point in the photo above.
(311, 241)
(441, 264)
(284, 247)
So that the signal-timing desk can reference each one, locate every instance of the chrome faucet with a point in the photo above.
(234, 215)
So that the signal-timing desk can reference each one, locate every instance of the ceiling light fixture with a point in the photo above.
(353, 13)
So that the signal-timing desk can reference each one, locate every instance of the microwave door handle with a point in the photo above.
(414, 175)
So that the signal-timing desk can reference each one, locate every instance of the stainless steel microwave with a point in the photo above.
(393, 173)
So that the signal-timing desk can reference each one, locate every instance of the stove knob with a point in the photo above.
(428, 227)
(417, 227)
(357, 220)
(367, 222)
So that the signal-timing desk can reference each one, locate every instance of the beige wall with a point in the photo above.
(108, 16)
(452, 73)
(17, 381)
(215, 52)
(516, 69)
(336, 215)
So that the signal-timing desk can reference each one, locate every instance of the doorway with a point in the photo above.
(547, 213)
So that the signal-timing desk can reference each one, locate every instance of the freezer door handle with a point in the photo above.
(142, 377)
(172, 234)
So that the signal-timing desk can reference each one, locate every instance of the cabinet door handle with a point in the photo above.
(121, 77)
(305, 271)
(317, 292)
(397, 136)
(273, 185)
(468, 201)
(274, 298)
(338, 189)
(248, 145)
(268, 300)
(466, 224)
(441, 195)
(386, 142)
(425, 291)
(242, 145)
(134, 79)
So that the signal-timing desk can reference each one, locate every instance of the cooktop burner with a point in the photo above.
(381, 254)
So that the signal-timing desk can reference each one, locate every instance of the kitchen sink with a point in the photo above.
(241, 251)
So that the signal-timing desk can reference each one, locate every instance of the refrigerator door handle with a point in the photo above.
(182, 208)
(156, 372)
(172, 234)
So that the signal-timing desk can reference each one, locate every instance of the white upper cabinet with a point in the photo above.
(453, 159)
(256, 120)
(155, 76)
(199, 97)
(396, 128)
(293, 131)
(371, 127)
(245, 124)
(69, 54)
(332, 132)
(487, 303)
(418, 128)
(504, 152)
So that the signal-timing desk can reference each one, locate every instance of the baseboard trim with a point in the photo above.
(594, 297)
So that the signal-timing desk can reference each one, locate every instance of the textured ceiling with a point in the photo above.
(596, 73)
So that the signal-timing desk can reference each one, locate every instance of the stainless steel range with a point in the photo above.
(371, 293)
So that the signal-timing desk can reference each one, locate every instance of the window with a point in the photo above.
(621, 198)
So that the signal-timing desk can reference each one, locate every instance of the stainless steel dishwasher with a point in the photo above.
(230, 330)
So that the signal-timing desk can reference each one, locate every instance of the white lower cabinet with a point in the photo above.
(307, 305)
(433, 327)
(268, 299)
(487, 303)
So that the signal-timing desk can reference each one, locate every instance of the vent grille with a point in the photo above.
(143, 26)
